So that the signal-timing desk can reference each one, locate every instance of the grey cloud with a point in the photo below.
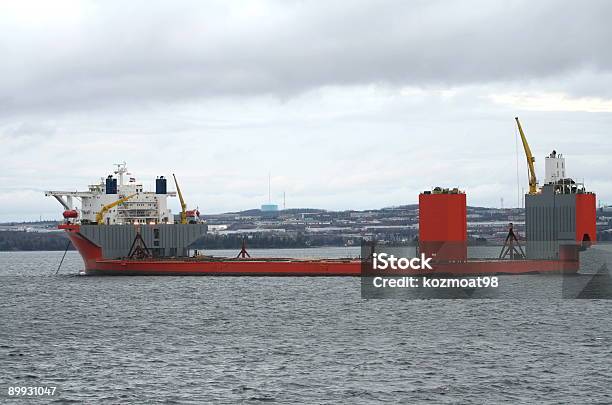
(140, 52)
(29, 129)
(330, 95)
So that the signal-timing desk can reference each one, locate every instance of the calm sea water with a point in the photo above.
(178, 340)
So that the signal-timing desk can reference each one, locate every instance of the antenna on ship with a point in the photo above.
(269, 187)
(121, 169)
(518, 179)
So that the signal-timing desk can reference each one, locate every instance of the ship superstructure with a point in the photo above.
(561, 217)
(139, 206)
(554, 165)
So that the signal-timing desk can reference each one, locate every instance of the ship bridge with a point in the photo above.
(137, 206)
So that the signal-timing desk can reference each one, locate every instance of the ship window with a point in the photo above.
(156, 233)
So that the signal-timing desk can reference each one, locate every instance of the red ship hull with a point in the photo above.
(96, 264)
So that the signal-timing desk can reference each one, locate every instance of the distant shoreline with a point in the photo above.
(22, 241)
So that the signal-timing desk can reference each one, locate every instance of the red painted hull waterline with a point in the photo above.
(95, 264)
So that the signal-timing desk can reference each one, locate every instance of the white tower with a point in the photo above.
(555, 167)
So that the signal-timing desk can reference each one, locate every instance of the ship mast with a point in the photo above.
(121, 169)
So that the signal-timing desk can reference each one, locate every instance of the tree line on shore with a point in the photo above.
(32, 241)
(29, 241)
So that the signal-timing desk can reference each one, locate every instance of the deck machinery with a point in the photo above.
(560, 221)
(558, 226)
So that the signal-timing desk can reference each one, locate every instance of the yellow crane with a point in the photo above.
(104, 210)
(183, 205)
(533, 182)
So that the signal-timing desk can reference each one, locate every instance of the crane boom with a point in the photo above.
(533, 182)
(183, 205)
(104, 210)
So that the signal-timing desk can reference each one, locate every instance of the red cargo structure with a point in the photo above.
(586, 218)
(443, 224)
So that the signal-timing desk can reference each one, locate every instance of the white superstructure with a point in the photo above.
(145, 207)
(555, 168)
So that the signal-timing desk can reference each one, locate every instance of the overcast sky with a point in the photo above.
(350, 105)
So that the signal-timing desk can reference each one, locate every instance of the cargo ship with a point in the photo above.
(121, 229)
